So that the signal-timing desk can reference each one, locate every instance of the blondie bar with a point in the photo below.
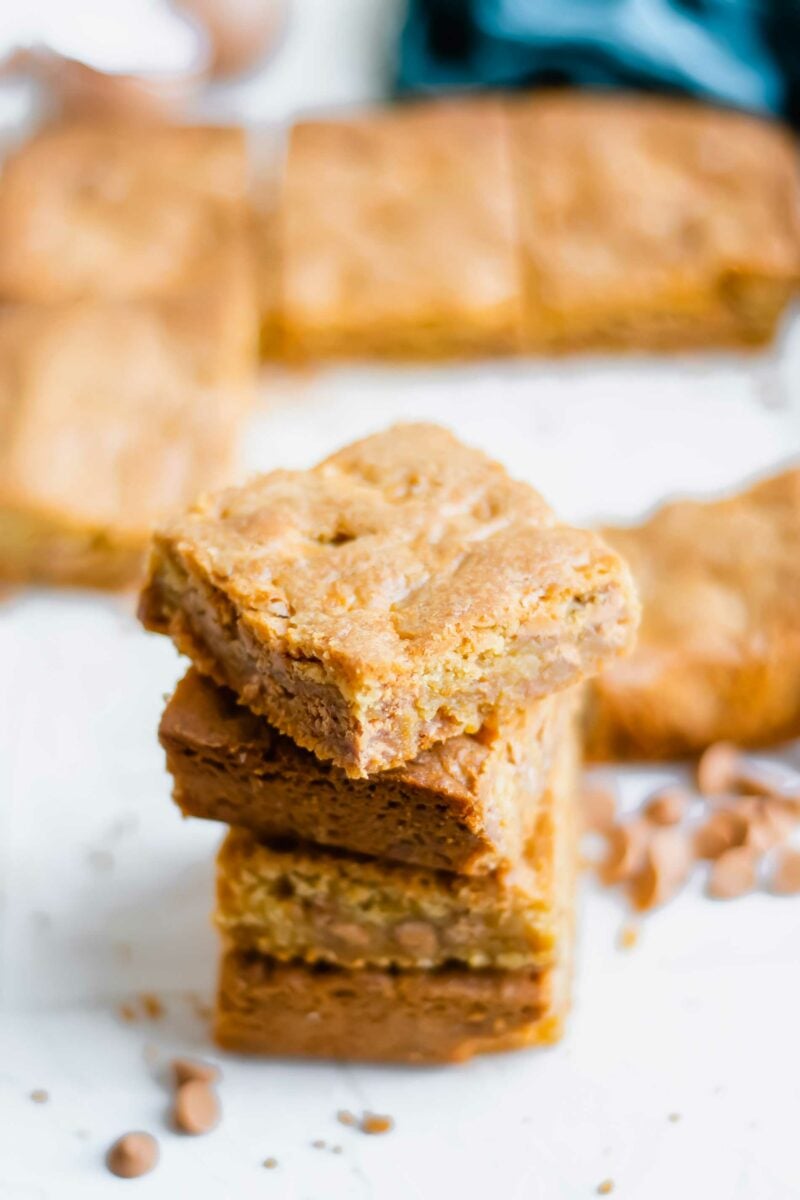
(469, 804)
(652, 223)
(387, 599)
(718, 656)
(322, 905)
(286, 1009)
(398, 235)
(100, 209)
(112, 415)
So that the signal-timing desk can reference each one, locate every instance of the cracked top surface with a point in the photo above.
(89, 209)
(398, 549)
(651, 195)
(417, 222)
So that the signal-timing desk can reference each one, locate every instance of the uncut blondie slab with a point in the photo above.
(112, 415)
(287, 1009)
(718, 656)
(99, 209)
(651, 223)
(321, 905)
(398, 235)
(387, 599)
(469, 804)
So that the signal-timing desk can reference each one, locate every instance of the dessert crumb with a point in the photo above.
(150, 1053)
(319, 1144)
(270, 1163)
(336, 1149)
(605, 1188)
(152, 1005)
(40, 1096)
(674, 1117)
(376, 1123)
(127, 1013)
(132, 1155)
(346, 1118)
(628, 937)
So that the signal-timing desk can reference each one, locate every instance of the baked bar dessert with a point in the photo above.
(96, 209)
(112, 415)
(387, 599)
(469, 804)
(322, 905)
(449, 1015)
(718, 656)
(652, 223)
(412, 253)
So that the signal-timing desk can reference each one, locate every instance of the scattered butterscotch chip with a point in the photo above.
(666, 867)
(718, 769)
(196, 1109)
(628, 937)
(40, 1096)
(132, 1155)
(605, 1188)
(723, 830)
(733, 874)
(184, 1070)
(375, 1123)
(668, 806)
(626, 850)
(346, 1118)
(598, 807)
(270, 1163)
(785, 879)
(152, 1006)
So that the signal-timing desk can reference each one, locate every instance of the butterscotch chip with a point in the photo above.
(718, 769)
(346, 1118)
(132, 1155)
(152, 1005)
(628, 937)
(724, 829)
(388, 598)
(376, 1123)
(185, 1070)
(785, 879)
(196, 1109)
(733, 874)
(668, 807)
(270, 1163)
(605, 1188)
(598, 807)
(666, 867)
(40, 1096)
(626, 850)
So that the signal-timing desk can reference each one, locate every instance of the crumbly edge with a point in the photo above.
(370, 729)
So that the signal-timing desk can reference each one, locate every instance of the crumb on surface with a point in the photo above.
(674, 1117)
(376, 1123)
(319, 1144)
(605, 1188)
(628, 937)
(270, 1163)
(40, 1096)
(153, 1007)
(346, 1118)
(127, 1013)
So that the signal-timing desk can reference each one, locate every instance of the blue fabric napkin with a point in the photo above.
(743, 53)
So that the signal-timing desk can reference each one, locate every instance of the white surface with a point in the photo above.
(106, 891)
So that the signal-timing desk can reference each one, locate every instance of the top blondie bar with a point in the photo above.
(391, 597)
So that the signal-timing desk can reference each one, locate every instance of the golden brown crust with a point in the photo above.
(652, 223)
(112, 415)
(290, 1010)
(388, 598)
(413, 252)
(322, 905)
(468, 804)
(90, 209)
(718, 656)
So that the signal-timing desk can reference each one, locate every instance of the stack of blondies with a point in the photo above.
(386, 661)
